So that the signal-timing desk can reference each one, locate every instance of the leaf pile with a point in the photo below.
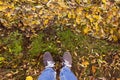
(97, 18)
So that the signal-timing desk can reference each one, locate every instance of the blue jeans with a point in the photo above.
(50, 74)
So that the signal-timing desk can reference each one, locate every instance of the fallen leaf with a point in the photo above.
(29, 78)
(93, 69)
(85, 63)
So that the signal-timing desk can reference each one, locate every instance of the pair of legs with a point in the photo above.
(50, 74)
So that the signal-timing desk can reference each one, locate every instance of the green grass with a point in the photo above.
(80, 43)
(57, 43)
(68, 40)
(38, 45)
(14, 43)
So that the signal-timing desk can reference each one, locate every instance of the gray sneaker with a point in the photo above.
(67, 59)
(47, 58)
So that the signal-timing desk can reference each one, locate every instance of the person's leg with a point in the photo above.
(48, 73)
(66, 73)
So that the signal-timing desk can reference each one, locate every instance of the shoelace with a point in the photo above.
(50, 64)
(66, 63)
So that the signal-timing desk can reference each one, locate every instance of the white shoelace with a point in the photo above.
(50, 64)
(66, 63)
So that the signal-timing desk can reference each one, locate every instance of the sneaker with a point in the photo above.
(67, 59)
(48, 60)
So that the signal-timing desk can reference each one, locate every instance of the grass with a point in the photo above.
(57, 43)
(14, 41)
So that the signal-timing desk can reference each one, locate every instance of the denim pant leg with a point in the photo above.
(67, 74)
(48, 74)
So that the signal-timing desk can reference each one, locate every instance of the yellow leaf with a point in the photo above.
(1, 2)
(62, 3)
(35, 22)
(2, 8)
(46, 22)
(85, 63)
(114, 38)
(78, 1)
(69, 15)
(29, 78)
(10, 50)
(104, 1)
(73, 15)
(86, 30)
(46, 0)
(14, 66)
(40, 12)
(78, 20)
(8, 14)
(79, 11)
(33, 8)
(96, 17)
(97, 27)
(111, 31)
(90, 18)
(85, 1)
(2, 58)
